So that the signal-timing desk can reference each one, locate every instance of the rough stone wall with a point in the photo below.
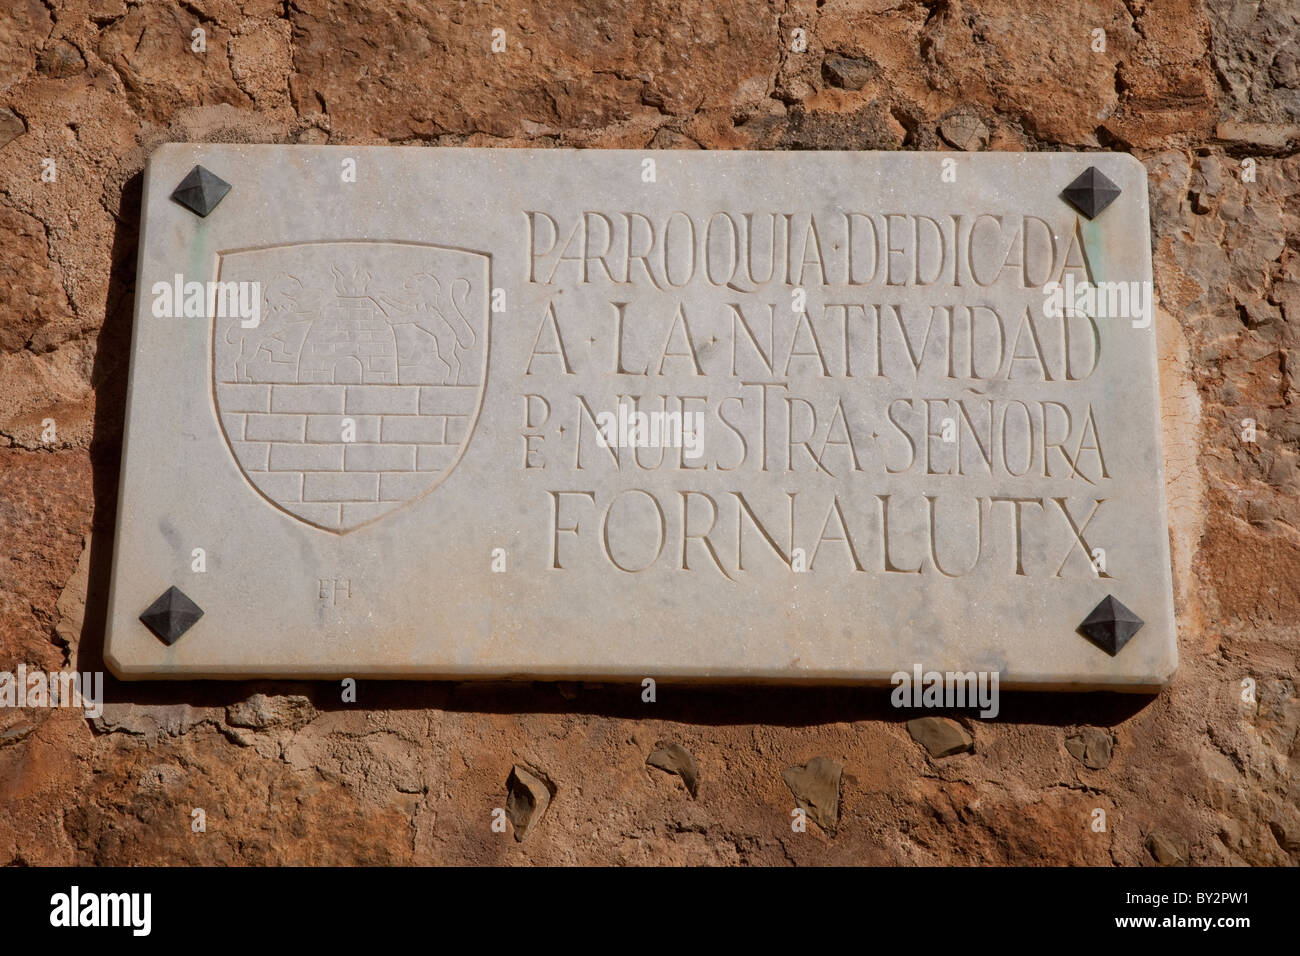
(412, 772)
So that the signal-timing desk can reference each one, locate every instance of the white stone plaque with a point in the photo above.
(795, 416)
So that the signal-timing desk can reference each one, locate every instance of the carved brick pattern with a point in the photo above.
(288, 438)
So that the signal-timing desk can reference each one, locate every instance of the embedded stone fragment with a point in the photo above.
(940, 736)
(263, 712)
(674, 758)
(72, 604)
(60, 59)
(816, 789)
(963, 129)
(1266, 137)
(11, 126)
(1092, 747)
(528, 796)
(1167, 849)
(850, 73)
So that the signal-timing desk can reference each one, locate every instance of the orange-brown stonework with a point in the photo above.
(1206, 94)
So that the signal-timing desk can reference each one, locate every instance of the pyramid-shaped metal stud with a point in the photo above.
(1091, 192)
(1111, 625)
(201, 190)
(171, 615)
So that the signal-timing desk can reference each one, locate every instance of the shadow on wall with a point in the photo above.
(788, 706)
(108, 379)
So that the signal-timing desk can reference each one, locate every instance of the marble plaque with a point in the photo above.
(556, 414)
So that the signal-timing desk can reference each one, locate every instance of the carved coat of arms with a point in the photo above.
(359, 388)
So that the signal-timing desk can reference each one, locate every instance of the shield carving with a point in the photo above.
(359, 388)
